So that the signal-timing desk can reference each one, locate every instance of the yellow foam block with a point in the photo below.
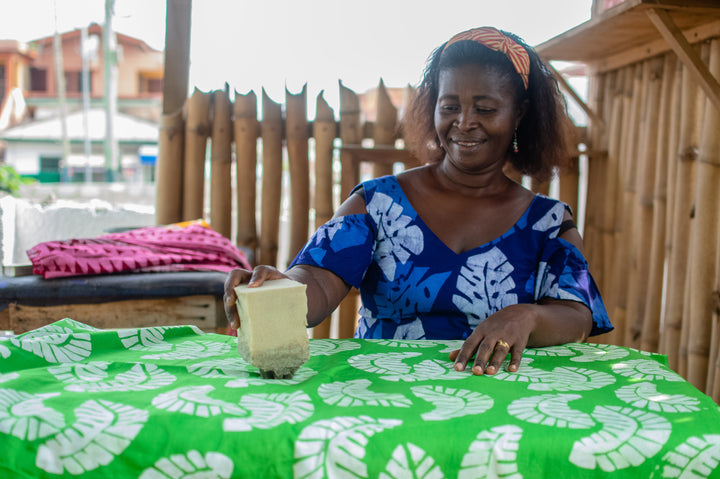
(272, 334)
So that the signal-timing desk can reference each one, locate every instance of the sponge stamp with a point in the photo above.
(273, 319)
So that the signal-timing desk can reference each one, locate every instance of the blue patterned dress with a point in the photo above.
(414, 287)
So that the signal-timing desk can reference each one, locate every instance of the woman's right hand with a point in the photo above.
(253, 278)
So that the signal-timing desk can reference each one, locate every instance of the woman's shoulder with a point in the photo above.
(547, 214)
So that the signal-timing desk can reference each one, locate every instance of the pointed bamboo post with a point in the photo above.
(299, 167)
(713, 388)
(271, 131)
(169, 175)
(385, 130)
(656, 258)
(197, 130)
(703, 245)
(221, 165)
(246, 130)
(324, 130)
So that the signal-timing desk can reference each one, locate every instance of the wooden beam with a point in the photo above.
(692, 61)
(177, 54)
(571, 91)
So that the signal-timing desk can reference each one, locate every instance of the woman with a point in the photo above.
(456, 249)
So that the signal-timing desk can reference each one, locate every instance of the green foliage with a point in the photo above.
(10, 180)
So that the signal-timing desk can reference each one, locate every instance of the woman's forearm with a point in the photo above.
(324, 291)
(560, 322)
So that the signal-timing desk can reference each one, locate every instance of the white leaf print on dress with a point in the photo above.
(412, 330)
(102, 431)
(451, 403)
(92, 377)
(395, 241)
(326, 347)
(550, 410)
(26, 417)
(336, 447)
(270, 410)
(390, 367)
(551, 219)
(493, 454)
(56, 344)
(410, 461)
(646, 396)
(212, 465)
(645, 370)
(355, 393)
(194, 401)
(697, 457)
(484, 283)
(628, 437)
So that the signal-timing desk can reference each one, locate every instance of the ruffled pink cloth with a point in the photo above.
(181, 247)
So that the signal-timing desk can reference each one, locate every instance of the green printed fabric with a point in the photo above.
(173, 402)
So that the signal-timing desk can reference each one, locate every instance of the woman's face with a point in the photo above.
(475, 116)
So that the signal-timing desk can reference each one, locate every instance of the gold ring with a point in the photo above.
(500, 342)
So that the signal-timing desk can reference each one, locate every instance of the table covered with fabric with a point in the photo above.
(170, 402)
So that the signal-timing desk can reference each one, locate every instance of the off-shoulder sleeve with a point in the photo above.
(563, 274)
(343, 245)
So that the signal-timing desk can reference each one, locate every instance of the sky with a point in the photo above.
(279, 44)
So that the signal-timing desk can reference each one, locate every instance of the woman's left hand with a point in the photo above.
(505, 332)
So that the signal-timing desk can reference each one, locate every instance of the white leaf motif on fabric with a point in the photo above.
(192, 350)
(573, 379)
(56, 344)
(355, 393)
(92, 377)
(212, 465)
(493, 453)
(628, 437)
(221, 368)
(646, 396)
(390, 367)
(145, 339)
(194, 401)
(24, 415)
(411, 461)
(645, 370)
(524, 374)
(252, 378)
(396, 241)
(336, 447)
(550, 410)
(451, 403)
(697, 457)
(550, 351)
(8, 377)
(4, 352)
(597, 352)
(270, 410)
(409, 343)
(484, 283)
(103, 430)
(326, 347)
(551, 219)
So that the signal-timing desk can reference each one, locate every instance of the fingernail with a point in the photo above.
(459, 367)
(477, 370)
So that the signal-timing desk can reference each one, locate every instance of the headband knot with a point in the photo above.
(495, 40)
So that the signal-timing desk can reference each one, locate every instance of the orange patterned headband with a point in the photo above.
(495, 40)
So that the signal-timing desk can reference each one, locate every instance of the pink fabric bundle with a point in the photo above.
(181, 247)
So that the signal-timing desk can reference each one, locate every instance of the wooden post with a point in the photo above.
(271, 131)
(324, 131)
(169, 171)
(654, 288)
(246, 129)
(177, 55)
(385, 131)
(221, 165)
(703, 244)
(298, 161)
(197, 130)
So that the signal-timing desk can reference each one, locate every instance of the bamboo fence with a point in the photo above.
(653, 226)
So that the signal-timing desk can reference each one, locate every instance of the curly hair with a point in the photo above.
(542, 134)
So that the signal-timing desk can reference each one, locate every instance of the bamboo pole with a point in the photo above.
(169, 175)
(299, 166)
(643, 209)
(221, 165)
(653, 296)
(385, 131)
(713, 388)
(703, 244)
(271, 132)
(246, 129)
(350, 134)
(569, 174)
(324, 134)
(197, 130)
(681, 204)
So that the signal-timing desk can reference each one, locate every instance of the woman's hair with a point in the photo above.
(543, 131)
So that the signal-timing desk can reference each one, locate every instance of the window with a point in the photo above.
(74, 82)
(38, 79)
(2, 83)
(49, 169)
(150, 83)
